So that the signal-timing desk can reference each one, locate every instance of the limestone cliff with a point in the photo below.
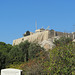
(43, 37)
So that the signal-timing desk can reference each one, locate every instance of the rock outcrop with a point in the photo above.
(43, 37)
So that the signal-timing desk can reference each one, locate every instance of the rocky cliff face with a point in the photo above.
(41, 37)
(47, 44)
(44, 38)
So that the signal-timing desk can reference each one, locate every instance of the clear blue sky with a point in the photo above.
(18, 16)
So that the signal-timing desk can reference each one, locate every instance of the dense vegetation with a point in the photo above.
(4, 57)
(16, 55)
(34, 60)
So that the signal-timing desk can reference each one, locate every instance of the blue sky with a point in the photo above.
(18, 16)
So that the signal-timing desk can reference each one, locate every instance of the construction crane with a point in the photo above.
(42, 27)
(48, 28)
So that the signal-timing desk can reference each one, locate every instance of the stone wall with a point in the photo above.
(44, 38)
(36, 37)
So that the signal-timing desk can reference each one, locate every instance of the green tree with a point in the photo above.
(16, 55)
(27, 33)
(24, 47)
(62, 60)
(34, 49)
(24, 51)
(62, 40)
(2, 60)
(4, 50)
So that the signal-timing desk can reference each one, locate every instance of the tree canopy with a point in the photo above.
(34, 60)
(4, 50)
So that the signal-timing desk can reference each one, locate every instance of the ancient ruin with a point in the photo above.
(44, 37)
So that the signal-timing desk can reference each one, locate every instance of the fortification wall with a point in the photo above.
(44, 38)
(36, 37)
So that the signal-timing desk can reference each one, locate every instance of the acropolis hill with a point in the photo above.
(44, 37)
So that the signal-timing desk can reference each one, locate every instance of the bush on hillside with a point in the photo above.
(62, 40)
(24, 51)
(37, 66)
(62, 60)
(16, 55)
(34, 50)
(4, 57)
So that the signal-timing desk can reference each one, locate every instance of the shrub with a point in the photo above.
(62, 40)
(62, 60)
